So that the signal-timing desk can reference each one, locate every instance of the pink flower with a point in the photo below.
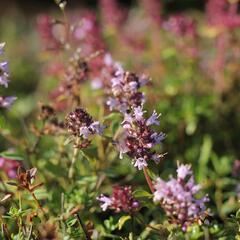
(177, 198)
(121, 200)
(139, 139)
(9, 166)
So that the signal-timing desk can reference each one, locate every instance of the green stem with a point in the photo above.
(38, 204)
(132, 226)
(74, 158)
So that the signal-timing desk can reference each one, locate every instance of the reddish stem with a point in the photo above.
(38, 204)
(148, 179)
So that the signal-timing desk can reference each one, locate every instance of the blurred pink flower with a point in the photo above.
(222, 13)
(9, 166)
(153, 9)
(112, 13)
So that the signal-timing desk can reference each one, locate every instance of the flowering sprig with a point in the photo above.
(121, 200)
(125, 91)
(177, 198)
(5, 102)
(81, 125)
(140, 139)
(103, 69)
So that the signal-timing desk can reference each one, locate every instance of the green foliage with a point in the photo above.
(202, 124)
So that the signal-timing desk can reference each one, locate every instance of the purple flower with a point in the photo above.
(106, 202)
(4, 74)
(177, 198)
(121, 200)
(125, 92)
(140, 163)
(97, 128)
(153, 119)
(6, 102)
(103, 69)
(138, 113)
(183, 171)
(80, 124)
(139, 139)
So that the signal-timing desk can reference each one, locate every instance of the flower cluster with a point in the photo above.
(45, 27)
(9, 166)
(125, 90)
(87, 34)
(140, 139)
(121, 200)
(5, 102)
(80, 124)
(177, 198)
(103, 69)
(222, 13)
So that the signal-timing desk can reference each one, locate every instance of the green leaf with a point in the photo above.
(68, 140)
(11, 156)
(122, 221)
(204, 157)
(142, 193)
(111, 116)
(238, 214)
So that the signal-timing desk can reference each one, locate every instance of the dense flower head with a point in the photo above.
(177, 197)
(80, 124)
(121, 200)
(140, 139)
(5, 102)
(125, 90)
(9, 166)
